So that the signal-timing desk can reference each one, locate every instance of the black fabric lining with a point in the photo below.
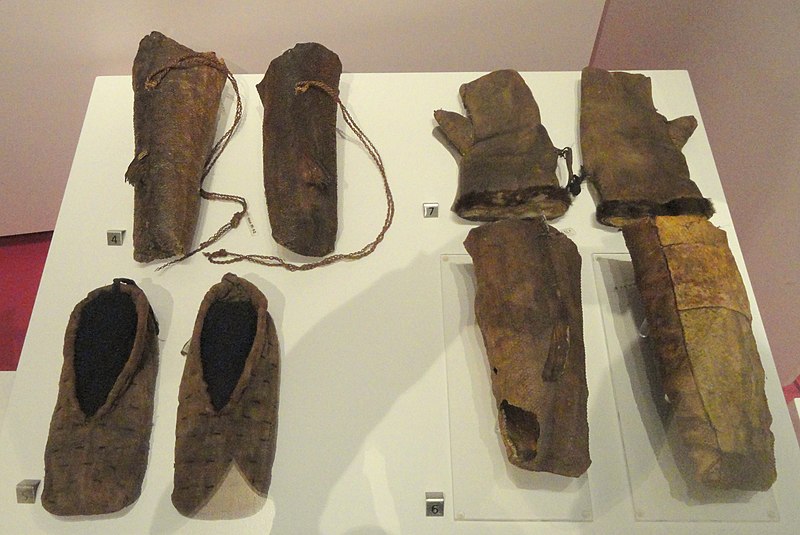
(228, 332)
(103, 342)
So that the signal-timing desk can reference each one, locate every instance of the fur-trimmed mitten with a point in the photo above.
(631, 153)
(508, 163)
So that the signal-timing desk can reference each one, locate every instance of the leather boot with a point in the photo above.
(528, 308)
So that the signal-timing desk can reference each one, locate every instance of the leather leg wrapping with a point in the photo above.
(299, 135)
(174, 127)
(700, 330)
(528, 308)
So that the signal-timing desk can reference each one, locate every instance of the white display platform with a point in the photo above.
(374, 410)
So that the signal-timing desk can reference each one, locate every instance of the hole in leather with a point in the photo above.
(522, 430)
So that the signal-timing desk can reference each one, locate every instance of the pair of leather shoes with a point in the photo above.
(96, 453)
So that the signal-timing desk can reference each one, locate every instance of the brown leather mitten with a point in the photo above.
(528, 307)
(699, 326)
(631, 153)
(174, 124)
(508, 163)
(300, 149)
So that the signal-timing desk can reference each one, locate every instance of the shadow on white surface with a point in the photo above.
(6, 383)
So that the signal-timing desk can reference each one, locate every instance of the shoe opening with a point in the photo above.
(227, 337)
(103, 342)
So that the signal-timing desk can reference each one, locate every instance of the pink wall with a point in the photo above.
(51, 52)
(743, 59)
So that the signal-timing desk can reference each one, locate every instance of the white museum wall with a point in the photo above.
(743, 60)
(52, 51)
